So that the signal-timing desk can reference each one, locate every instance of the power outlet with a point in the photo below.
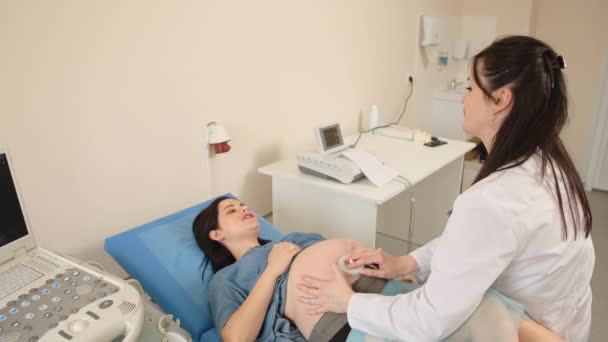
(408, 77)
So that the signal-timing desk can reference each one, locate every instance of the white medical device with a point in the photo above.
(329, 166)
(394, 131)
(172, 331)
(47, 298)
(329, 138)
(348, 271)
(328, 163)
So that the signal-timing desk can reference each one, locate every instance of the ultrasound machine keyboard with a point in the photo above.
(15, 278)
(31, 313)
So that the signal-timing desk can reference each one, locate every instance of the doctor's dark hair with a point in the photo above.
(533, 72)
(205, 222)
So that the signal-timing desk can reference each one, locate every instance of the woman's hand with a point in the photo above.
(247, 321)
(325, 295)
(382, 264)
(280, 257)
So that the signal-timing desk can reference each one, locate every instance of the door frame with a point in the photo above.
(598, 137)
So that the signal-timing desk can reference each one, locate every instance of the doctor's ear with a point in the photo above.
(216, 235)
(503, 99)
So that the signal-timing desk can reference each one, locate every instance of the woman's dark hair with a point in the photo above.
(532, 70)
(205, 222)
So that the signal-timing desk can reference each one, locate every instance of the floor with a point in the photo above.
(599, 283)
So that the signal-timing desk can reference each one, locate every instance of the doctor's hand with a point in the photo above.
(323, 296)
(382, 264)
(280, 257)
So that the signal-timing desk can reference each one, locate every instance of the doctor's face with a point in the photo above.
(477, 110)
(236, 222)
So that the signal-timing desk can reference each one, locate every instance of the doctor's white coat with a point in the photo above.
(504, 232)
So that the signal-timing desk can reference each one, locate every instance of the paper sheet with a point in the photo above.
(371, 167)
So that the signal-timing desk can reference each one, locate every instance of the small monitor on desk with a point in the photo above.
(329, 138)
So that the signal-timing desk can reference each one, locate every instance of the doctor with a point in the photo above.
(523, 227)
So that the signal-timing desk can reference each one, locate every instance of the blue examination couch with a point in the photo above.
(165, 258)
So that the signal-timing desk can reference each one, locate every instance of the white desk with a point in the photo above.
(390, 217)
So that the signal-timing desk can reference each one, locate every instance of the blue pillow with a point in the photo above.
(165, 258)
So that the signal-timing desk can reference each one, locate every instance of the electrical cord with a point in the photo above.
(136, 284)
(94, 264)
(404, 181)
(411, 81)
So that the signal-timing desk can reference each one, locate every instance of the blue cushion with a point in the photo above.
(211, 336)
(165, 258)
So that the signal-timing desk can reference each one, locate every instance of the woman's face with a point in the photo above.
(477, 109)
(484, 116)
(235, 222)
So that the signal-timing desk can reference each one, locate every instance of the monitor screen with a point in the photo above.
(12, 221)
(332, 137)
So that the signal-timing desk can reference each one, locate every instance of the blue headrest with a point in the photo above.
(165, 258)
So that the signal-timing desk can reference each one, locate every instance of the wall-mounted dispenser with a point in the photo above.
(430, 30)
(460, 49)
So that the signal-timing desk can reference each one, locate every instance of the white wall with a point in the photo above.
(479, 22)
(513, 17)
(477, 31)
(102, 103)
(578, 31)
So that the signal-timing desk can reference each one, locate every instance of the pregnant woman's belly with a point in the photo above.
(314, 261)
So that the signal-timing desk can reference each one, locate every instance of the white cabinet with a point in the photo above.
(602, 175)
(393, 245)
(391, 217)
(448, 116)
(470, 171)
(419, 214)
